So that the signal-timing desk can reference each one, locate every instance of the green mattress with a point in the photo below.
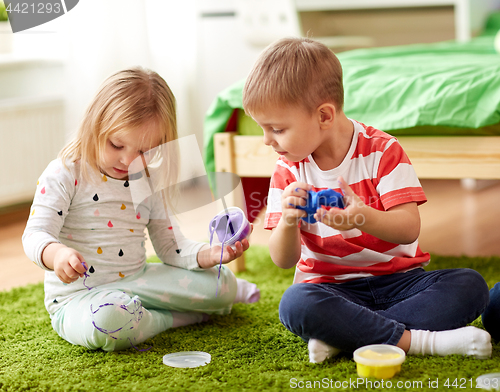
(440, 89)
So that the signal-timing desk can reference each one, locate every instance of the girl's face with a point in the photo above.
(122, 148)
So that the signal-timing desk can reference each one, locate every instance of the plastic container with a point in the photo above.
(490, 381)
(187, 359)
(229, 226)
(379, 360)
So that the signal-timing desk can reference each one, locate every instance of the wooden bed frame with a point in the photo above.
(447, 157)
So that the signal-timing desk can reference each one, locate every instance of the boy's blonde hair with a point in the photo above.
(126, 100)
(294, 71)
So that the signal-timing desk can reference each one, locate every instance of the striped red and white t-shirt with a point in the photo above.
(380, 173)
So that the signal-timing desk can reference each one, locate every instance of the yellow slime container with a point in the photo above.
(379, 360)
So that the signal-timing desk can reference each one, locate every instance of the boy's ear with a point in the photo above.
(326, 114)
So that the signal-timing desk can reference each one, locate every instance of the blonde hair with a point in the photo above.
(126, 100)
(297, 72)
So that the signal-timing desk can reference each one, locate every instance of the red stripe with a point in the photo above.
(321, 245)
(373, 243)
(291, 163)
(329, 270)
(271, 220)
(368, 192)
(376, 141)
(394, 156)
(345, 246)
(402, 196)
(282, 177)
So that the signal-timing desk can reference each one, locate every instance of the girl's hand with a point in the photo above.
(229, 254)
(210, 257)
(294, 195)
(353, 216)
(69, 265)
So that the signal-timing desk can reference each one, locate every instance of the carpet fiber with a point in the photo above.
(250, 349)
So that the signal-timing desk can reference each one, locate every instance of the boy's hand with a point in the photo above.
(351, 217)
(294, 195)
(69, 265)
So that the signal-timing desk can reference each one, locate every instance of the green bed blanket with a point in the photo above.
(446, 88)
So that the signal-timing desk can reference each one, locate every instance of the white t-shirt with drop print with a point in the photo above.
(98, 219)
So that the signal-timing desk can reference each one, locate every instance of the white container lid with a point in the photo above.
(489, 381)
(379, 355)
(187, 359)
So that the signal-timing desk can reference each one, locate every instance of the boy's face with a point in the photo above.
(290, 131)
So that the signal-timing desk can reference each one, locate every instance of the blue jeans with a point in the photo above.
(377, 310)
(491, 316)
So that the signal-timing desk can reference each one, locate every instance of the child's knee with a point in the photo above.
(474, 280)
(115, 322)
(491, 315)
(310, 303)
(297, 302)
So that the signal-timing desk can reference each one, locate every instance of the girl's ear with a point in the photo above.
(326, 114)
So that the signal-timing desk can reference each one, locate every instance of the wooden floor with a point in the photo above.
(455, 221)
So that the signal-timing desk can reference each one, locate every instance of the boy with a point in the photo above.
(359, 276)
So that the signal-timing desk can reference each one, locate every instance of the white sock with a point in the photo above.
(319, 351)
(181, 319)
(464, 341)
(246, 292)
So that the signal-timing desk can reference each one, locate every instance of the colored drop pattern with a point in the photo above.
(91, 270)
(95, 198)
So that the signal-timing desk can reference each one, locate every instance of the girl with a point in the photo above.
(84, 231)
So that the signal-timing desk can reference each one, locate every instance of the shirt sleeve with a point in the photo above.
(283, 175)
(169, 243)
(396, 182)
(54, 192)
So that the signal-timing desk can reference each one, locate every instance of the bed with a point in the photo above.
(442, 102)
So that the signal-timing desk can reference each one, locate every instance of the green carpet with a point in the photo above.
(250, 349)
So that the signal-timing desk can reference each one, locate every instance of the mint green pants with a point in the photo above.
(123, 314)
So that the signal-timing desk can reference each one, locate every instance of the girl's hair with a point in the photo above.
(126, 100)
(297, 72)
